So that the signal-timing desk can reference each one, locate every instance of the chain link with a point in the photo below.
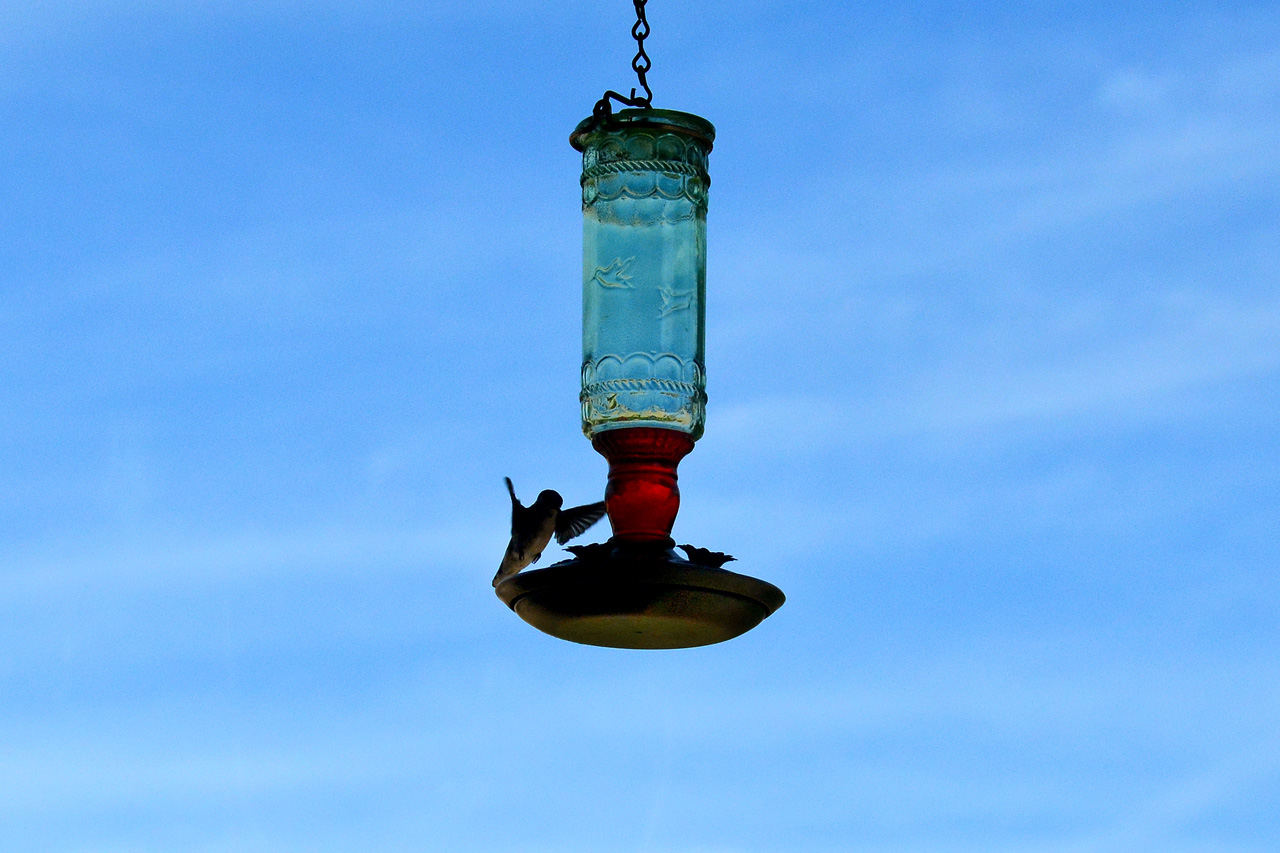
(640, 64)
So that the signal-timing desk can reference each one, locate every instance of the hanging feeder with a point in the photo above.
(644, 202)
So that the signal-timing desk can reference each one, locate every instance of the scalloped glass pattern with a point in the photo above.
(644, 241)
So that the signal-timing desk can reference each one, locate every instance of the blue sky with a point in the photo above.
(286, 288)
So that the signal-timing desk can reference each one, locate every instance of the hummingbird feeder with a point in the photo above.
(644, 204)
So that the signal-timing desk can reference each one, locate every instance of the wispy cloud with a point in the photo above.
(185, 563)
(1159, 821)
(1103, 385)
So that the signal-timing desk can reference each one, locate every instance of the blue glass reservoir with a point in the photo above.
(644, 239)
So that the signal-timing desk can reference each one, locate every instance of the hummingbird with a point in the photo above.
(533, 526)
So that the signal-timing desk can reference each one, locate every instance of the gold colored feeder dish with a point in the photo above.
(630, 596)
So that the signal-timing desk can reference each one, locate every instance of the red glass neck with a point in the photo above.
(642, 497)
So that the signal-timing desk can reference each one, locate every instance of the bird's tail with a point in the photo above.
(512, 490)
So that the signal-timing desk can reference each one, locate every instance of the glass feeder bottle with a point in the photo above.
(644, 205)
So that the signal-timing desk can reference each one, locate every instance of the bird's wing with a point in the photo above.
(571, 523)
(517, 511)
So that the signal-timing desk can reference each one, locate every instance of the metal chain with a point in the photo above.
(640, 64)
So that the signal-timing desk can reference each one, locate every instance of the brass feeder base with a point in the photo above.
(636, 596)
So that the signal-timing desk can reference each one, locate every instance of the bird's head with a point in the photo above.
(550, 497)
